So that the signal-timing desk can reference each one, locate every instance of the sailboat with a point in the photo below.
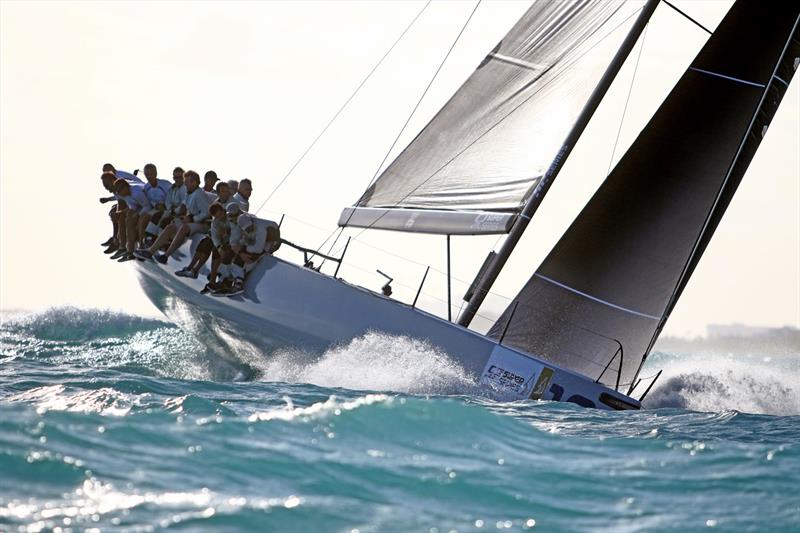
(585, 322)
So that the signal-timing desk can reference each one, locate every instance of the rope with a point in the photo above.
(627, 99)
(336, 115)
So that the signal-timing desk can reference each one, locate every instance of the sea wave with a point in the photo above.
(68, 323)
(720, 382)
(92, 338)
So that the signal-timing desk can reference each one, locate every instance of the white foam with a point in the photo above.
(720, 382)
(105, 401)
(376, 362)
(94, 498)
(332, 405)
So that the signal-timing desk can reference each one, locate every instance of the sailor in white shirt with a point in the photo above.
(110, 175)
(176, 197)
(155, 188)
(136, 204)
(258, 237)
(216, 245)
(156, 191)
(242, 197)
(195, 220)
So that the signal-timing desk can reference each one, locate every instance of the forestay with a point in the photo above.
(488, 146)
(605, 290)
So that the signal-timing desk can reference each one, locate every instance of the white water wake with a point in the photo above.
(717, 382)
(376, 362)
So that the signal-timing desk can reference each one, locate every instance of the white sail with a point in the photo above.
(491, 143)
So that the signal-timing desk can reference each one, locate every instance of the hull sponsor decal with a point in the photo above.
(515, 374)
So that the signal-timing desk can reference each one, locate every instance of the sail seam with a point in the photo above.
(595, 299)
(754, 84)
(517, 62)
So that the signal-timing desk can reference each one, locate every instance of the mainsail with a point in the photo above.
(472, 168)
(605, 290)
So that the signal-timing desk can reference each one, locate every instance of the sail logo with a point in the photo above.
(487, 220)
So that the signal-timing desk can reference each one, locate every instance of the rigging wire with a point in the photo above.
(336, 115)
(425, 92)
(689, 18)
(408, 120)
(627, 100)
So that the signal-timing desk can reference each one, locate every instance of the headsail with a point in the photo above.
(620, 267)
(490, 144)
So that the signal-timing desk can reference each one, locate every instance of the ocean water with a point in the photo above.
(112, 422)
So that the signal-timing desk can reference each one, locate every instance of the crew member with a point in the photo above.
(242, 197)
(156, 191)
(136, 204)
(196, 220)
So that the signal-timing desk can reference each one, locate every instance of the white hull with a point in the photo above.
(286, 306)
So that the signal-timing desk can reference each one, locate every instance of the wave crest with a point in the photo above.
(69, 323)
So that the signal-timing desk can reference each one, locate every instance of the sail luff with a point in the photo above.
(543, 185)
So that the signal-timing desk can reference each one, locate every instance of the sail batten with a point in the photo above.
(491, 143)
(638, 240)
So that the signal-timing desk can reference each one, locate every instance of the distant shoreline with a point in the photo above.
(783, 341)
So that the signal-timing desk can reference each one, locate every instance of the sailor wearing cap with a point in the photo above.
(258, 237)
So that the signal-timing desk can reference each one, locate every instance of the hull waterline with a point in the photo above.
(289, 307)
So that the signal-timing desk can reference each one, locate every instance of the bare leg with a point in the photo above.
(131, 223)
(163, 238)
(180, 236)
(215, 263)
(113, 216)
(122, 227)
(144, 220)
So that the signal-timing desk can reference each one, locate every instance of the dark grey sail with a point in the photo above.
(605, 290)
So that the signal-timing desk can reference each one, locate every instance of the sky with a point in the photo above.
(243, 88)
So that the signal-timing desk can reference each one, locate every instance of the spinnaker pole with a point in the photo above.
(484, 285)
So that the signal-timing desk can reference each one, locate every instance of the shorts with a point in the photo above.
(196, 227)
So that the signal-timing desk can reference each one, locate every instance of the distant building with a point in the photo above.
(741, 331)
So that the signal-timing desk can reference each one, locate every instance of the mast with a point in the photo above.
(484, 285)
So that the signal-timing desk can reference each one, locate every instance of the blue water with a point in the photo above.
(116, 422)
